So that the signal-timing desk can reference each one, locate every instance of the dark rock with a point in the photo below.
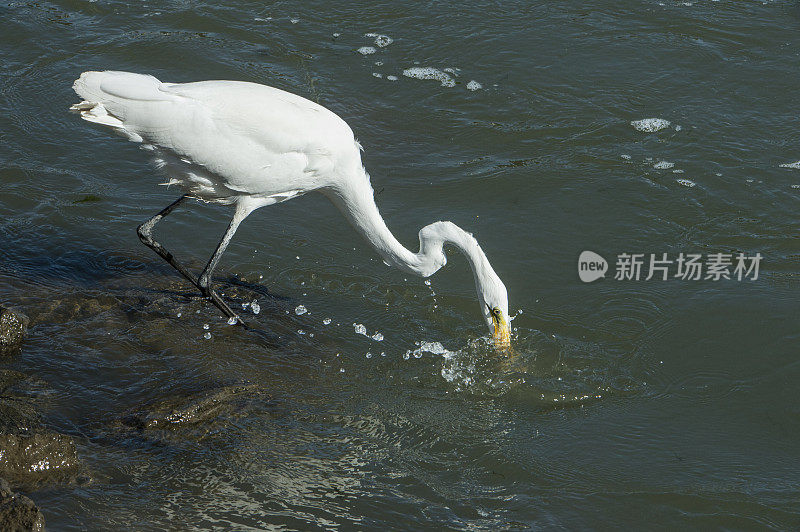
(17, 512)
(13, 325)
(38, 458)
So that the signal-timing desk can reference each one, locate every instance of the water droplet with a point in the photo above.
(300, 310)
(326, 321)
(255, 307)
(378, 337)
(232, 321)
(179, 314)
(207, 336)
(369, 355)
(206, 326)
(360, 329)
(427, 282)
(300, 331)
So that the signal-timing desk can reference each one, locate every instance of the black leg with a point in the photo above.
(204, 282)
(145, 232)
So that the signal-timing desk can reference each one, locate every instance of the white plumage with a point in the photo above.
(251, 145)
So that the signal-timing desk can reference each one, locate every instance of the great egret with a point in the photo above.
(250, 145)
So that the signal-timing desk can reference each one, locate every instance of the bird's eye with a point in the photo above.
(496, 311)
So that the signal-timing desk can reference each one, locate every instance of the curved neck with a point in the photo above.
(354, 197)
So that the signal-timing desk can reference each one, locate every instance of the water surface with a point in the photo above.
(669, 403)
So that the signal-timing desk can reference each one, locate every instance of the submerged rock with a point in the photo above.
(17, 512)
(40, 458)
(192, 416)
(31, 456)
(13, 325)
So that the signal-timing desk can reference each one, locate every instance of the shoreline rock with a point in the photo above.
(13, 325)
(18, 512)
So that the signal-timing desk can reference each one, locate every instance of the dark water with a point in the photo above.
(646, 404)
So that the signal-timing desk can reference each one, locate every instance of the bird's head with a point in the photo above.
(493, 297)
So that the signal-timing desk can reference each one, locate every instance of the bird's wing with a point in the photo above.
(240, 131)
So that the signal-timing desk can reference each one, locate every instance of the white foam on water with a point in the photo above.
(795, 186)
(367, 50)
(337, 34)
(377, 74)
(650, 125)
(255, 307)
(300, 310)
(378, 337)
(392, 78)
(626, 157)
(663, 165)
(677, 171)
(360, 329)
(474, 85)
(430, 73)
(326, 321)
(206, 326)
(232, 321)
(794, 166)
(687, 183)
(381, 41)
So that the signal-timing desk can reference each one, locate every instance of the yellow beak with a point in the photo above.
(502, 332)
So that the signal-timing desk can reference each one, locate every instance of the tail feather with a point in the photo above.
(109, 96)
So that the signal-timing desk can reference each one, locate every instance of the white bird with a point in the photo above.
(250, 145)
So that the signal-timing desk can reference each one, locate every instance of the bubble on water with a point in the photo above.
(300, 310)
(245, 305)
(377, 74)
(392, 78)
(207, 336)
(341, 370)
(369, 355)
(626, 156)
(795, 186)
(300, 331)
(180, 314)
(232, 321)
(360, 329)
(427, 282)
(263, 19)
(794, 166)
(474, 85)
(677, 171)
(378, 337)
(663, 165)
(255, 307)
(430, 73)
(367, 50)
(687, 183)
(381, 41)
(326, 321)
(650, 125)
(378, 63)
(337, 34)
(294, 20)
(206, 326)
